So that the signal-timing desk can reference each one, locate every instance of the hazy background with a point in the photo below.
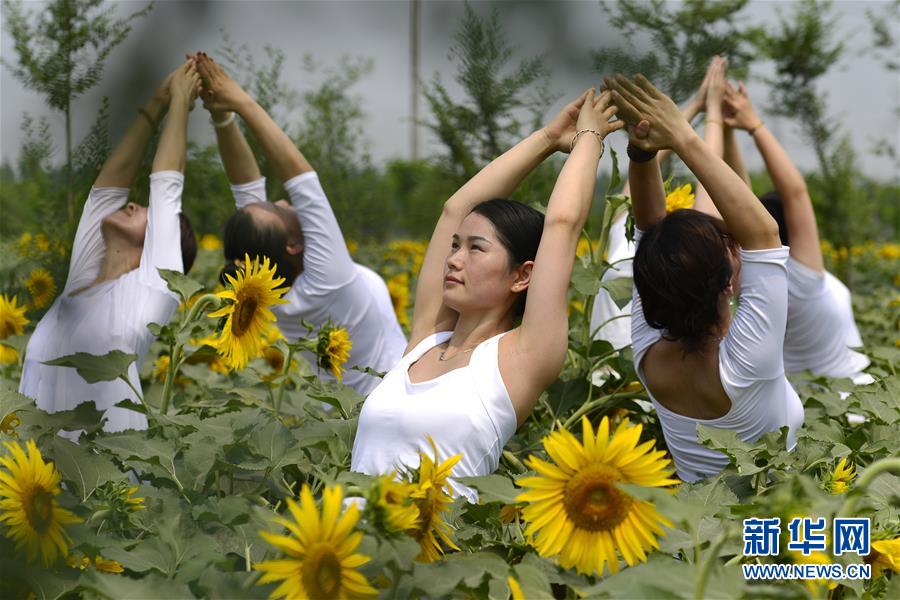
(860, 92)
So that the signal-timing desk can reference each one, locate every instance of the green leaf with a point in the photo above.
(585, 279)
(138, 447)
(492, 488)
(619, 290)
(120, 587)
(12, 401)
(441, 578)
(83, 469)
(93, 368)
(180, 283)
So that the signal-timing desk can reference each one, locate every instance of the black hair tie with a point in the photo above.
(639, 156)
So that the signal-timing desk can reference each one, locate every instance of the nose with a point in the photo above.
(454, 261)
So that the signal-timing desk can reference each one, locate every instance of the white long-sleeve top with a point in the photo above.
(112, 315)
(751, 368)
(332, 286)
(820, 326)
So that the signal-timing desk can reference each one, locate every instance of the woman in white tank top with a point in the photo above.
(469, 376)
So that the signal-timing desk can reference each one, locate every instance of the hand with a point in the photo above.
(161, 95)
(654, 121)
(561, 129)
(715, 82)
(185, 84)
(595, 114)
(738, 111)
(220, 92)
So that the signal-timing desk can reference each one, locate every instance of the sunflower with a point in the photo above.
(28, 507)
(248, 315)
(42, 243)
(9, 424)
(133, 504)
(107, 566)
(394, 504)
(41, 286)
(432, 499)
(24, 244)
(12, 317)
(210, 242)
(885, 554)
(333, 350)
(838, 481)
(161, 367)
(320, 560)
(681, 197)
(398, 287)
(8, 355)
(74, 562)
(578, 509)
(515, 590)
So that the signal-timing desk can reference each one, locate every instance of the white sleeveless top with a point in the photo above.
(466, 411)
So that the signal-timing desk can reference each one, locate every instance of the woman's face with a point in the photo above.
(476, 273)
(128, 224)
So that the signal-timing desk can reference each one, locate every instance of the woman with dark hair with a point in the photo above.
(302, 238)
(470, 375)
(114, 290)
(700, 364)
(821, 329)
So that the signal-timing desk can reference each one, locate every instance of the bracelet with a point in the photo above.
(146, 115)
(713, 121)
(223, 124)
(597, 133)
(753, 129)
(638, 155)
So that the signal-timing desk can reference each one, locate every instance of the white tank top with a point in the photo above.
(466, 411)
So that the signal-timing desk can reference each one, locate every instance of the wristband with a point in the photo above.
(714, 121)
(143, 111)
(223, 124)
(638, 155)
(753, 129)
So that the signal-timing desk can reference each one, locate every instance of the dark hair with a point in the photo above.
(681, 267)
(519, 228)
(188, 243)
(243, 236)
(772, 201)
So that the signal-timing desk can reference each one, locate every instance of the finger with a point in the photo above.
(616, 125)
(742, 88)
(603, 99)
(646, 87)
(642, 129)
(626, 110)
(610, 112)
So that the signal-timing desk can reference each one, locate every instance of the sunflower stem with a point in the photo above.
(862, 484)
(174, 359)
(139, 396)
(199, 306)
(589, 406)
(284, 378)
(515, 462)
(706, 567)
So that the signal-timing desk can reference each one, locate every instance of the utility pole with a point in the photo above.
(414, 12)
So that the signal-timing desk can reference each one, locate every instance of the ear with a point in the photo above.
(522, 276)
(294, 247)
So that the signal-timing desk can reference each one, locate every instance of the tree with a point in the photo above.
(683, 38)
(61, 54)
(483, 126)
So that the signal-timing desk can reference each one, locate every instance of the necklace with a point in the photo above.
(442, 359)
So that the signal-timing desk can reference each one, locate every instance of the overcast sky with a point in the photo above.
(861, 94)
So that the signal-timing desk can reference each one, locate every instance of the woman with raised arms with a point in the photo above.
(113, 290)
(302, 238)
(472, 372)
(699, 363)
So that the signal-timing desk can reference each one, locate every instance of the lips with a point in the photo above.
(451, 279)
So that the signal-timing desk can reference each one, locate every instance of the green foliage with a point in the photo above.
(480, 128)
(683, 38)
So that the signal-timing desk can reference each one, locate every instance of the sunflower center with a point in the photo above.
(593, 502)
(39, 509)
(243, 315)
(321, 574)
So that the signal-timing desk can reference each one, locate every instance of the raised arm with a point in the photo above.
(123, 163)
(222, 94)
(648, 194)
(733, 156)
(799, 216)
(752, 227)
(713, 130)
(497, 179)
(542, 338)
(183, 87)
